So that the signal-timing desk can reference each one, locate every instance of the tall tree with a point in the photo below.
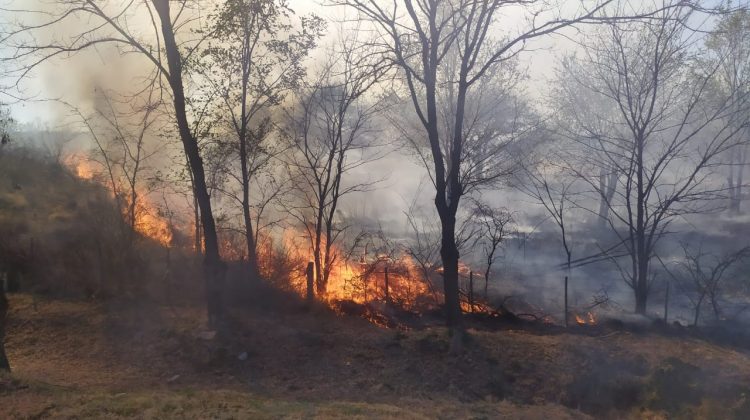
(448, 43)
(585, 116)
(332, 134)
(108, 23)
(730, 46)
(119, 128)
(254, 58)
(671, 130)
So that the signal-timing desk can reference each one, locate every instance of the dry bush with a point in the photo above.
(280, 265)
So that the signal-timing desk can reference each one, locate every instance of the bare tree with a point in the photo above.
(252, 61)
(107, 23)
(120, 129)
(585, 116)
(704, 274)
(670, 132)
(120, 136)
(494, 225)
(421, 37)
(729, 44)
(332, 134)
(553, 190)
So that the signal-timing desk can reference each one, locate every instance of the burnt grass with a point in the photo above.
(275, 346)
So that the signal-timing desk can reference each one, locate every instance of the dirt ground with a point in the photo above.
(79, 359)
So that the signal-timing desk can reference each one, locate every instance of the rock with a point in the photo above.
(242, 356)
(173, 378)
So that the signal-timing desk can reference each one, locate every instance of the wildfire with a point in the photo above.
(148, 220)
(362, 281)
(150, 224)
(589, 319)
(83, 168)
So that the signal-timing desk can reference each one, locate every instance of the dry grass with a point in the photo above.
(92, 360)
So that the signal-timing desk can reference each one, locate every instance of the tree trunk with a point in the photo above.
(198, 240)
(310, 276)
(320, 286)
(603, 205)
(641, 286)
(607, 189)
(387, 292)
(486, 283)
(449, 254)
(698, 309)
(471, 291)
(715, 305)
(252, 256)
(214, 269)
(488, 270)
(741, 155)
(4, 364)
(640, 282)
(641, 297)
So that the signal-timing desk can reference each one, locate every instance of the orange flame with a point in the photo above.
(148, 221)
(151, 224)
(362, 281)
(82, 167)
(590, 319)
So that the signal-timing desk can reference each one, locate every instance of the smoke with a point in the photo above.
(530, 267)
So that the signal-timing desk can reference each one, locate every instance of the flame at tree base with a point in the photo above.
(373, 278)
(589, 319)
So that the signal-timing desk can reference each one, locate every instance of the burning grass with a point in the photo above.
(369, 278)
(386, 285)
(587, 319)
(147, 216)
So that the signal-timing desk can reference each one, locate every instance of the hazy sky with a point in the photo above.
(70, 79)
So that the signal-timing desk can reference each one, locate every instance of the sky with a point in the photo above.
(72, 78)
(76, 79)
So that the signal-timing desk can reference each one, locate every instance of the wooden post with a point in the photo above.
(387, 293)
(566, 301)
(471, 290)
(666, 303)
(309, 272)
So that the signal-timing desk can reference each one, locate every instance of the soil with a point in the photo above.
(276, 358)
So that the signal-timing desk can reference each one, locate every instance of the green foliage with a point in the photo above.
(254, 57)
